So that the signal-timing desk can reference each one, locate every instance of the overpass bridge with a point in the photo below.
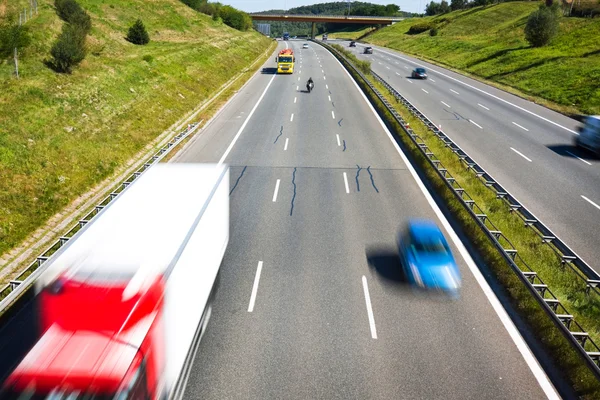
(346, 19)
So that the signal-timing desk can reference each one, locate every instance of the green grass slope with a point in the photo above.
(489, 42)
(349, 33)
(61, 134)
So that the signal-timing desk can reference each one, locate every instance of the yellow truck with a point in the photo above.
(285, 61)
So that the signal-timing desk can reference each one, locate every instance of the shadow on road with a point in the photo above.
(386, 262)
(269, 71)
(572, 151)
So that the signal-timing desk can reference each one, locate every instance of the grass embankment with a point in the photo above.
(350, 33)
(62, 134)
(489, 42)
(540, 257)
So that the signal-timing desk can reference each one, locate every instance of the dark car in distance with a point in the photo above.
(352, 44)
(419, 73)
(368, 50)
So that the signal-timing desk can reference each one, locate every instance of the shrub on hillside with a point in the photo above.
(235, 18)
(69, 49)
(70, 11)
(12, 35)
(542, 26)
(420, 28)
(137, 33)
(433, 32)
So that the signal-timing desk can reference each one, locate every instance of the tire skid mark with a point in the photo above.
(372, 180)
(238, 180)
(294, 196)
(280, 133)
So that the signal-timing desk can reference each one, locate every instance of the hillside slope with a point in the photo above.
(489, 42)
(61, 134)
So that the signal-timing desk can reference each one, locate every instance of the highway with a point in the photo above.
(311, 302)
(527, 148)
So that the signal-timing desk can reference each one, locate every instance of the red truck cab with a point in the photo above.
(103, 338)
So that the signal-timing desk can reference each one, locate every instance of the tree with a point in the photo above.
(444, 7)
(69, 49)
(458, 4)
(137, 33)
(432, 8)
(542, 26)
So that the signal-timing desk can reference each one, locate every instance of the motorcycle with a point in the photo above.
(310, 86)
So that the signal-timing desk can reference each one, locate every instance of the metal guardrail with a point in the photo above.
(560, 316)
(10, 292)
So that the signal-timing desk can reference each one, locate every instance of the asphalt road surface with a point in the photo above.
(527, 148)
(312, 303)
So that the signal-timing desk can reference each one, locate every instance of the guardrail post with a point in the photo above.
(14, 284)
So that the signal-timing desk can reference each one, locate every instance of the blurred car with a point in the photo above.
(419, 73)
(305, 46)
(427, 259)
(353, 44)
(589, 134)
(368, 50)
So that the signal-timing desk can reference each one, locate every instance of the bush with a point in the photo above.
(137, 33)
(70, 11)
(542, 26)
(420, 28)
(235, 18)
(69, 49)
(12, 36)
(148, 58)
(433, 32)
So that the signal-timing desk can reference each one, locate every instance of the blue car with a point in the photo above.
(427, 259)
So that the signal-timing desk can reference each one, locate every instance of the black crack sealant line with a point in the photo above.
(294, 196)
(344, 145)
(357, 173)
(372, 180)
(340, 122)
(238, 180)
(280, 133)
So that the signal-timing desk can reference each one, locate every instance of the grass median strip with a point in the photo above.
(561, 280)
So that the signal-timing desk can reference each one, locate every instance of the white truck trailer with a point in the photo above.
(123, 305)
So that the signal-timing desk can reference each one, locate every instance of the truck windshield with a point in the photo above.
(285, 59)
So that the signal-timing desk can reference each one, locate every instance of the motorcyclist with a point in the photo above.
(309, 84)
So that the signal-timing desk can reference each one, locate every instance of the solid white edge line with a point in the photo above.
(484, 92)
(286, 144)
(369, 308)
(346, 183)
(514, 334)
(446, 105)
(255, 287)
(591, 202)
(292, 117)
(338, 139)
(581, 159)
(332, 114)
(276, 190)
(482, 106)
(521, 154)
(224, 156)
(525, 129)
(475, 123)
